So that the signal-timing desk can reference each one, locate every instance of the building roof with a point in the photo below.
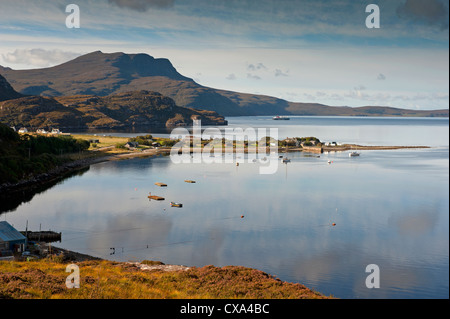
(134, 144)
(9, 233)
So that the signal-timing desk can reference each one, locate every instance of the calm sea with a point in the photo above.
(389, 208)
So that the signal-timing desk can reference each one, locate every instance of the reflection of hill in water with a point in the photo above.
(129, 165)
(12, 200)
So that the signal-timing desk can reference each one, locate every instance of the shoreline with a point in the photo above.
(59, 172)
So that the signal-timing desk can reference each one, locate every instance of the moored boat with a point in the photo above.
(173, 204)
(281, 118)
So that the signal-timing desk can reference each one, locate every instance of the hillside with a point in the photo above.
(46, 278)
(122, 110)
(103, 74)
(6, 91)
(22, 156)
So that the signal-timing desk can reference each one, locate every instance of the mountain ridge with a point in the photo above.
(117, 111)
(103, 74)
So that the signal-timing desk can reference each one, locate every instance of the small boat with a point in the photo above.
(161, 184)
(173, 204)
(150, 196)
(285, 160)
(189, 181)
(281, 118)
(329, 162)
(352, 154)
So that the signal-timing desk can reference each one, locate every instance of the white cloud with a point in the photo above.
(38, 57)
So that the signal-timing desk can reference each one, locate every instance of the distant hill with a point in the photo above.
(6, 91)
(122, 110)
(103, 74)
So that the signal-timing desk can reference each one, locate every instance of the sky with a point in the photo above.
(297, 50)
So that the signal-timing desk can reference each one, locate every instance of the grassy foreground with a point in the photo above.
(100, 279)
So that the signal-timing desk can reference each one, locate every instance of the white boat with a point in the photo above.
(352, 154)
(280, 118)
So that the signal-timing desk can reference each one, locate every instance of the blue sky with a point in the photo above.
(298, 50)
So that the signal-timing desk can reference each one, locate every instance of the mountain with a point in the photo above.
(6, 91)
(116, 111)
(103, 74)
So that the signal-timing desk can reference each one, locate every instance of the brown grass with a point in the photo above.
(45, 279)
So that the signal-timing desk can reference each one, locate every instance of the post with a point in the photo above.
(26, 235)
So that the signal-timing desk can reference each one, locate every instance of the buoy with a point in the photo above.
(242, 216)
(334, 224)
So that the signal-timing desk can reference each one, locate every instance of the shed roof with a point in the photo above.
(9, 233)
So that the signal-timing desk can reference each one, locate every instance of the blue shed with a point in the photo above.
(10, 239)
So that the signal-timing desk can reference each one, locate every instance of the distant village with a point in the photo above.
(53, 131)
(305, 143)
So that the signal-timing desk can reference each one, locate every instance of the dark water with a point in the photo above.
(390, 208)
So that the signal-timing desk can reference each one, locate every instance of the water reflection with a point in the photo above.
(389, 208)
(9, 201)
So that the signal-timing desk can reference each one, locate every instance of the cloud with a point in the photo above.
(253, 77)
(432, 12)
(144, 5)
(381, 77)
(256, 67)
(278, 72)
(416, 223)
(38, 57)
(231, 77)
